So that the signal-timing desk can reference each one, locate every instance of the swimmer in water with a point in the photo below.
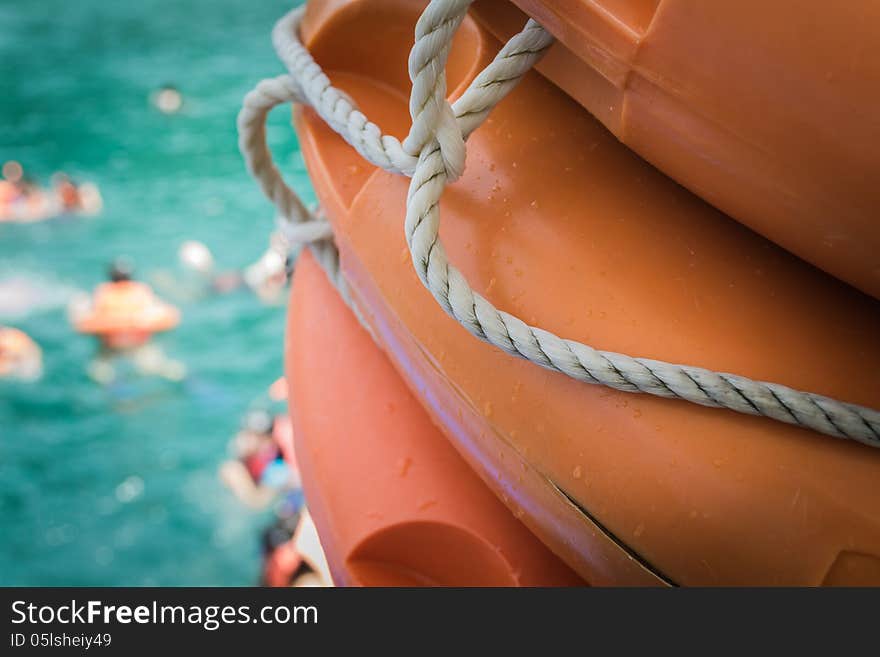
(197, 259)
(76, 198)
(168, 99)
(20, 357)
(124, 314)
(257, 473)
(10, 187)
(196, 276)
(66, 192)
(22, 200)
(268, 276)
(292, 552)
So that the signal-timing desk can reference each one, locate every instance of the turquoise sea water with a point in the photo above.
(118, 485)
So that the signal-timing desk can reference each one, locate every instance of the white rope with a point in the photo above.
(296, 225)
(437, 137)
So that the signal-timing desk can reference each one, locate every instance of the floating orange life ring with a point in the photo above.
(556, 221)
(126, 313)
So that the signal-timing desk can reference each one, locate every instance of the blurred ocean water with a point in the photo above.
(118, 485)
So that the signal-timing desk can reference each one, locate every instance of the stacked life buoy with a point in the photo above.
(557, 221)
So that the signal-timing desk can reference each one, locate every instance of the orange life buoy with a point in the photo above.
(393, 503)
(126, 312)
(559, 223)
(726, 98)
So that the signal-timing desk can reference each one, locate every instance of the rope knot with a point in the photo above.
(435, 124)
(433, 118)
(450, 140)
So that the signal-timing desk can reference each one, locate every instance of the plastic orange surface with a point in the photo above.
(768, 110)
(393, 502)
(558, 222)
(127, 306)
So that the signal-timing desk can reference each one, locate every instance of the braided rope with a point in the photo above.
(437, 135)
(296, 224)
